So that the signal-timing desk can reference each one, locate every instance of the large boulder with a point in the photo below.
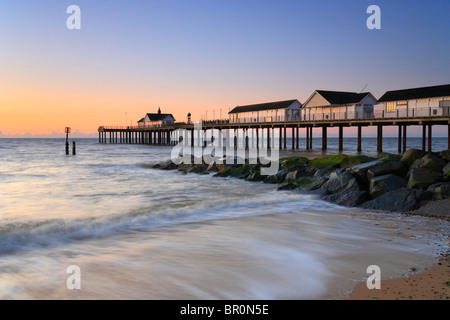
(390, 166)
(339, 181)
(382, 184)
(276, 178)
(422, 178)
(446, 171)
(440, 190)
(430, 161)
(399, 200)
(241, 172)
(351, 161)
(293, 163)
(326, 162)
(411, 155)
(347, 198)
(168, 165)
(360, 170)
(310, 183)
(445, 154)
(439, 208)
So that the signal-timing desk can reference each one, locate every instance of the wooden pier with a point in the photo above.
(265, 130)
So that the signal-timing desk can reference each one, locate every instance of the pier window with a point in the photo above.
(390, 107)
(402, 103)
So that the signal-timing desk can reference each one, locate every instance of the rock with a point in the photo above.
(440, 190)
(291, 176)
(288, 186)
(390, 166)
(411, 155)
(360, 170)
(169, 165)
(198, 169)
(212, 168)
(184, 167)
(383, 155)
(339, 181)
(382, 184)
(325, 173)
(354, 160)
(348, 198)
(326, 162)
(445, 154)
(422, 178)
(225, 173)
(241, 172)
(439, 208)
(399, 200)
(430, 161)
(310, 183)
(446, 171)
(276, 178)
(293, 163)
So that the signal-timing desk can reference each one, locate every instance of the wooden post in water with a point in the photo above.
(359, 147)
(67, 130)
(324, 138)
(399, 139)
(404, 138)
(424, 137)
(307, 138)
(341, 138)
(379, 138)
(310, 137)
(429, 137)
(74, 150)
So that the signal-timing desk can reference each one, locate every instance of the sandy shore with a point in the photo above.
(432, 284)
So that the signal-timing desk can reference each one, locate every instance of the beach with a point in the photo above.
(427, 284)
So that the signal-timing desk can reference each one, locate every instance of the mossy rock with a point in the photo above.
(293, 163)
(383, 155)
(242, 172)
(225, 173)
(354, 160)
(311, 183)
(327, 162)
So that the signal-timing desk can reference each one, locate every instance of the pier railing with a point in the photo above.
(379, 114)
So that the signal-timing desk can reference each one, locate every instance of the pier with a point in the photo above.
(267, 132)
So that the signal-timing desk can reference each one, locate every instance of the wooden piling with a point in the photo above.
(359, 147)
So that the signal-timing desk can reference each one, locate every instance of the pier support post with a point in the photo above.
(285, 139)
(429, 137)
(404, 138)
(293, 138)
(324, 138)
(424, 137)
(399, 139)
(281, 137)
(298, 135)
(379, 138)
(257, 138)
(341, 138)
(307, 138)
(359, 147)
(310, 137)
(268, 138)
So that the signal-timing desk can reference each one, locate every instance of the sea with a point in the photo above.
(104, 224)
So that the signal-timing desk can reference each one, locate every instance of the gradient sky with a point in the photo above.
(131, 57)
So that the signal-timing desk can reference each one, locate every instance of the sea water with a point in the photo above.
(136, 232)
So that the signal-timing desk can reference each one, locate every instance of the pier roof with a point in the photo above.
(416, 93)
(264, 106)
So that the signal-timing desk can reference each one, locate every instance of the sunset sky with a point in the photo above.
(131, 57)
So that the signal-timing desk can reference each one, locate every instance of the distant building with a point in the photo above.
(329, 105)
(416, 102)
(156, 120)
(289, 110)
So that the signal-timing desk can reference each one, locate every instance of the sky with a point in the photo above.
(204, 57)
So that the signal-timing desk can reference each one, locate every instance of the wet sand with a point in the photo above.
(430, 284)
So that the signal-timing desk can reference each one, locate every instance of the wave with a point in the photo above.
(19, 236)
